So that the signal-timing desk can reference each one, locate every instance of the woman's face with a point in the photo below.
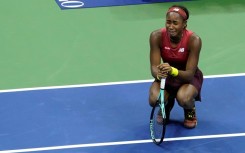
(174, 24)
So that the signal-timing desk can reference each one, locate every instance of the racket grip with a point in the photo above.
(163, 81)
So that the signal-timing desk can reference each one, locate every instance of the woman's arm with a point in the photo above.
(155, 52)
(195, 45)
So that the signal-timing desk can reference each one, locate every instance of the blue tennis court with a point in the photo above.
(115, 117)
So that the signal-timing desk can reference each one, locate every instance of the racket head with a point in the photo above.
(157, 123)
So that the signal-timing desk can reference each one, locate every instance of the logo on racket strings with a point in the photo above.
(152, 129)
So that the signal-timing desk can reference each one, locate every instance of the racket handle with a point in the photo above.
(163, 81)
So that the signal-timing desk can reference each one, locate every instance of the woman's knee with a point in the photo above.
(184, 100)
(186, 96)
(153, 93)
(152, 98)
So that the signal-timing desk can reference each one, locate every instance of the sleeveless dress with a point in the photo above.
(177, 57)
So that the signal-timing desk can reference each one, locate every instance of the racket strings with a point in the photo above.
(158, 123)
(161, 116)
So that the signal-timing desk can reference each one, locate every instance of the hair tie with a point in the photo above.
(178, 10)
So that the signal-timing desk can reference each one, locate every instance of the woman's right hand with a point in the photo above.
(163, 70)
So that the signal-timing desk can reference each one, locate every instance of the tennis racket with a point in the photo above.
(158, 117)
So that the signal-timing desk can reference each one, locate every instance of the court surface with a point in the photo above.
(115, 117)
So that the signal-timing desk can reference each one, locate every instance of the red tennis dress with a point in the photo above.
(177, 57)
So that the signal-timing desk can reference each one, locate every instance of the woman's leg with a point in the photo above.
(186, 96)
(153, 96)
(186, 99)
(154, 92)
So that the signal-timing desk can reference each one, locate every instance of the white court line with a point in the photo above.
(107, 83)
(122, 143)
